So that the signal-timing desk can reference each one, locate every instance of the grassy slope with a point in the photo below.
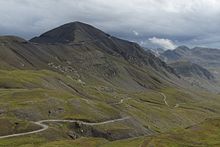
(200, 135)
(35, 98)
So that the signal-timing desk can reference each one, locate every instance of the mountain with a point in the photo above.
(198, 65)
(105, 87)
(75, 32)
(116, 60)
(81, 34)
(188, 69)
(176, 54)
(203, 56)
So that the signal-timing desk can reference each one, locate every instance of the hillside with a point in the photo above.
(190, 136)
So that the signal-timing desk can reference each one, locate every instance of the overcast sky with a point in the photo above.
(151, 23)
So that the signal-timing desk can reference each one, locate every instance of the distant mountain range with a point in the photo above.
(198, 63)
(203, 56)
(188, 69)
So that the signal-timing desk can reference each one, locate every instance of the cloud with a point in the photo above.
(135, 33)
(164, 43)
(182, 21)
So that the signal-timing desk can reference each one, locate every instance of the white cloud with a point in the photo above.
(164, 43)
(136, 33)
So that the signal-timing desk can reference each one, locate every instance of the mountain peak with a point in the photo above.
(183, 47)
(73, 32)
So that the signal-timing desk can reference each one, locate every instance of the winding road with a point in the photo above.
(166, 103)
(45, 127)
(161, 93)
(164, 98)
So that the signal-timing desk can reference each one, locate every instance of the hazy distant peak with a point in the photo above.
(183, 47)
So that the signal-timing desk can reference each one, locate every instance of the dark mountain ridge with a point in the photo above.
(74, 32)
(78, 33)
